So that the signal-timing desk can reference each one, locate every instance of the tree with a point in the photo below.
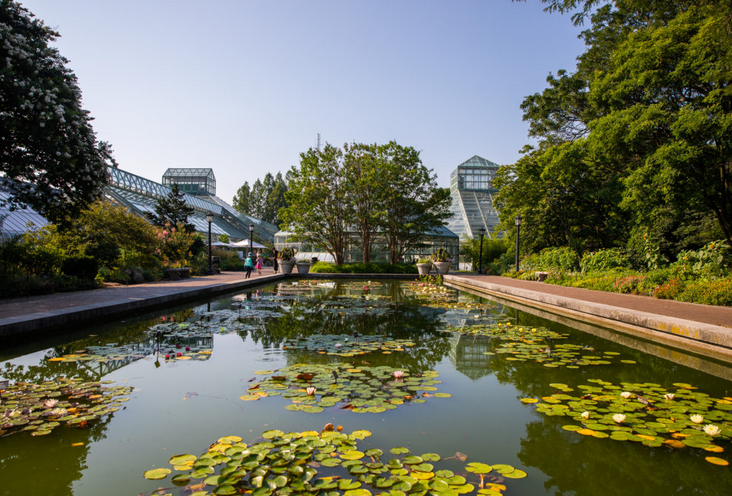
(264, 199)
(47, 144)
(242, 199)
(636, 142)
(318, 210)
(172, 210)
(364, 177)
(411, 202)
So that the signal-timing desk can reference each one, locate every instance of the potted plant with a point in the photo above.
(441, 260)
(287, 260)
(303, 266)
(424, 266)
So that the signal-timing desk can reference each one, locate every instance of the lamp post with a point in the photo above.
(209, 218)
(480, 257)
(518, 231)
(251, 237)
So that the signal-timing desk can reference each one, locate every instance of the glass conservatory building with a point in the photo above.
(472, 191)
(140, 195)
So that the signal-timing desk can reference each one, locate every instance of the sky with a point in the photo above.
(244, 87)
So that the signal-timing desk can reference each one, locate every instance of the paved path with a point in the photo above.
(708, 314)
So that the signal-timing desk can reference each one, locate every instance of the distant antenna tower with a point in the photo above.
(318, 145)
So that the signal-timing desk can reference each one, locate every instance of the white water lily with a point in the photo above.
(50, 403)
(310, 391)
(712, 430)
(619, 418)
(585, 415)
(626, 394)
(59, 412)
(669, 396)
(697, 419)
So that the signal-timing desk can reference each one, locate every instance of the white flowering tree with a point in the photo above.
(47, 145)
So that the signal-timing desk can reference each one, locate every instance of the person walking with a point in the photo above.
(275, 264)
(260, 263)
(248, 264)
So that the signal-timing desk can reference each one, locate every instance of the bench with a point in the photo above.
(178, 273)
(542, 276)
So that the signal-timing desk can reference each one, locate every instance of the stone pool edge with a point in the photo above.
(700, 337)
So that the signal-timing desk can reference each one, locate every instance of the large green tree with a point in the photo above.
(412, 203)
(366, 190)
(172, 210)
(47, 144)
(318, 210)
(263, 199)
(637, 140)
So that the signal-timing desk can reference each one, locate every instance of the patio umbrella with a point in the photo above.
(244, 243)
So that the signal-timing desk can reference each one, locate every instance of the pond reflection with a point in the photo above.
(242, 365)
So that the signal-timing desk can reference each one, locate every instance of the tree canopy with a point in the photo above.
(363, 192)
(637, 141)
(47, 144)
(172, 210)
(263, 199)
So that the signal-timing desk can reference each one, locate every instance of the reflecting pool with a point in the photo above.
(423, 385)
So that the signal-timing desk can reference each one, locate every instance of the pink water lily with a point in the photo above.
(398, 374)
(50, 403)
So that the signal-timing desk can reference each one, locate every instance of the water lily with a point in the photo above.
(626, 394)
(697, 419)
(50, 403)
(669, 396)
(619, 418)
(398, 374)
(712, 430)
(59, 412)
(310, 391)
(585, 415)
(338, 345)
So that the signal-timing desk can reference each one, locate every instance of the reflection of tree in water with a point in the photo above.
(401, 321)
(25, 461)
(577, 464)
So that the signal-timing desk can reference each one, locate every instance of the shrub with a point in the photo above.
(441, 255)
(712, 260)
(628, 284)
(669, 290)
(80, 266)
(714, 292)
(364, 268)
(287, 253)
(604, 260)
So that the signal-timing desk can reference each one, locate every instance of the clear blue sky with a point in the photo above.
(245, 86)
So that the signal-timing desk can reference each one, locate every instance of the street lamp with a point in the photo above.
(209, 218)
(251, 237)
(518, 231)
(480, 258)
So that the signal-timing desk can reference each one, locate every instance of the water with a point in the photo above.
(182, 406)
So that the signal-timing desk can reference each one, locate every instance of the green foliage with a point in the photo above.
(224, 238)
(714, 259)
(229, 260)
(364, 268)
(382, 190)
(430, 279)
(636, 140)
(264, 199)
(176, 246)
(604, 260)
(441, 255)
(562, 259)
(48, 148)
(172, 210)
(81, 266)
(286, 253)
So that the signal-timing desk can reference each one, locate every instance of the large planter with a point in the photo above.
(442, 268)
(424, 268)
(286, 266)
(303, 268)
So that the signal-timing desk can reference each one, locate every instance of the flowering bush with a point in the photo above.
(176, 245)
(628, 284)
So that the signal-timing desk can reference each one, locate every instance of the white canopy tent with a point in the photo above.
(244, 243)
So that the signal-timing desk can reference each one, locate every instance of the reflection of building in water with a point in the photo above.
(467, 353)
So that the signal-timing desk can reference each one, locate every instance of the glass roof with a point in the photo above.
(471, 190)
(16, 222)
